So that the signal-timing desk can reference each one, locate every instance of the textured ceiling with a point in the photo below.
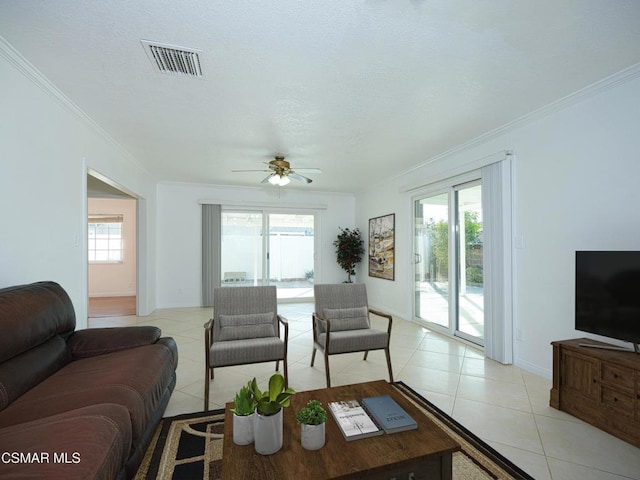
(360, 89)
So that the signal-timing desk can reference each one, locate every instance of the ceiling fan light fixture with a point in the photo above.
(274, 179)
(284, 180)
(280, 180)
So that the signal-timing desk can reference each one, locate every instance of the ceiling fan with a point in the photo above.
(280, 172)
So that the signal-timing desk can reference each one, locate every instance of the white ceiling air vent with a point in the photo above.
(174, 60)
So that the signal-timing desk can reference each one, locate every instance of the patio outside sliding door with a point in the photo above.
(242, 255)
(432, 260)
(469, 263)
(291, 254)
(283, 257)
(449, 287)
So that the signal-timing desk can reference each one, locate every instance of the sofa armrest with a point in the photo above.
(91, 442)
(98, 341)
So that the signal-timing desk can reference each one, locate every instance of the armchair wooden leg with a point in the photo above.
(286, 374)
(211, 374)
(277, 365)
(365, 354)
(206, 387)
(388, 354)
(313, 356)
(326, 368)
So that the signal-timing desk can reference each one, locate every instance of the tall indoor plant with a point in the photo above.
(350, 248)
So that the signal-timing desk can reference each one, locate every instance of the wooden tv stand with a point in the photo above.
(601, 387)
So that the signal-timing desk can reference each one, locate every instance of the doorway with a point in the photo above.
(112, 250)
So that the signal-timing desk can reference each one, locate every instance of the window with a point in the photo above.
(105, 238)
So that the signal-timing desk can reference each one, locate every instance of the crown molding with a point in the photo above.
(21, 64)
(608, 83)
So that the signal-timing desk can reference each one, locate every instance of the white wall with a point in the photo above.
(115, 279)
(47, 147)
(576, 186)
(179, 231)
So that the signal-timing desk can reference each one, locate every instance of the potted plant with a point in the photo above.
(243, 410)
(349, 248)
(312, 420)
(268, 421)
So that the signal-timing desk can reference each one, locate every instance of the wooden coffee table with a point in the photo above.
(425, 452)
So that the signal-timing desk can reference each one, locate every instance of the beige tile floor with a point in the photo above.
(504, 405)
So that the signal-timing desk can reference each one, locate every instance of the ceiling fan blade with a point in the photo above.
(309, 170)
(266, 179)
(300, 178)
(242, 171)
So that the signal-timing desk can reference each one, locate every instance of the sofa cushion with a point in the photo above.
(135, 378)
(239, 327)
(28, 369)
(87, 443)
(347, 318)
(35, 321)
(98, 341)
(32, 314)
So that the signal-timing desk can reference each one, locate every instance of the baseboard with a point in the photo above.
(532, 368)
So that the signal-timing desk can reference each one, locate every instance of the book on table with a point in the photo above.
(388, 414)
(353, 420)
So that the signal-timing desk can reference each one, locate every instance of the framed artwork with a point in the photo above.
(382, 246)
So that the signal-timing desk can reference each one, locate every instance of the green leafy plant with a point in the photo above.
(272, 400)
(244, 402)
(350, 248)
(312, 414)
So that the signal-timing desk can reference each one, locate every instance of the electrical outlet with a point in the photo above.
(519, 335)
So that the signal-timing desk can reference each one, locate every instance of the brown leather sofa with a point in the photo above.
(76, 404)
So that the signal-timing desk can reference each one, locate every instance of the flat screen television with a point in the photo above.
(608, 294)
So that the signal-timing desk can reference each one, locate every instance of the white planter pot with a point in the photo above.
(243, 429)
(267, 430)
(312, 436)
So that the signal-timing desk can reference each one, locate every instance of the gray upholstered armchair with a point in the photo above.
(341, 324)
(245, 328)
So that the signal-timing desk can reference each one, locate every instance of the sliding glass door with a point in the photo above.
(291, 254)
(269, 248)
(432, 260)
(448, 261)
(469, 263)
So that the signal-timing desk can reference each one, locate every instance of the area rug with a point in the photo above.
(188, 447)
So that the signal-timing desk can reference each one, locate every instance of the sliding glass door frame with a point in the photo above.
(450, 187)
(459, 264)
(263, 269)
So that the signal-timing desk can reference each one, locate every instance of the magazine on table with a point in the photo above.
(388, 414)
(353, 420)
